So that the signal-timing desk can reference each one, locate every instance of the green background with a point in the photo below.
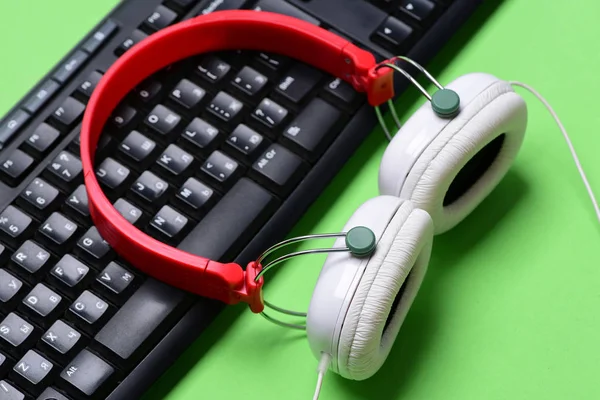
(510, 306)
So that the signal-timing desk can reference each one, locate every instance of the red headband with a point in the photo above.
(224, 30)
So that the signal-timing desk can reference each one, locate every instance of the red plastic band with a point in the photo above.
(224, 30)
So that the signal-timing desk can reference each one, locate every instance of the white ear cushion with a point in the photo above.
(496, 111)
(404, 248)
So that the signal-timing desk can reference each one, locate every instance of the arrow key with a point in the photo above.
(392, 34)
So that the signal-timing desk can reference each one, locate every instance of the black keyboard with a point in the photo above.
(219, 155)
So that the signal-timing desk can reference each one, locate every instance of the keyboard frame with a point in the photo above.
(188, 328)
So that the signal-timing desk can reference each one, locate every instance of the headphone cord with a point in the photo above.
(567, 139)
(321, 370)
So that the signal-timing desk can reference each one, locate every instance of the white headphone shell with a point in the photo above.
(353, 296)
(427, 153)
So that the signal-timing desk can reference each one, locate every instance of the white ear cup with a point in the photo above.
(438, 164)
(353, 296)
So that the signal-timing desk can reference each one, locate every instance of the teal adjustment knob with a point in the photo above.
(445, 103)
(361, 241)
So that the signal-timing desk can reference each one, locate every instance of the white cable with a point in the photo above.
(321, 370)
(568, 140)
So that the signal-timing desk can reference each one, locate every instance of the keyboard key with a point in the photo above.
(162, 120)
(145, 310)
(187, 94)
(70, 270)
(209, 6)
(115, 277)
(41, 140)
(244, 139)
(11, 125)
(111, 173)
(4, 366)
(31, 257)
(66, 167)
(175, 160)
(15, 165)
(58, 230)
(9, 287)
(9, 392)
(123, 116)
(78, 202)
(279, 167)
(195, 194)
(89, 307)
(313, 127)
(420, 10)
(392, 33)
(250, 81)
(89, 85)
(149, 187)
(298, 82)
(135, 37)
(69, 112)
(14, 223)
(281, 7)
(233, 220)
(213, 69)
(87, 372)
(137, 147)
(169, 222)
(51, 394)
(72, 65)
(219, 166)
(100, 36)
(40, 196)
(342, 91)
(148, 90)
(200, 133)
(225, 106)
(15, 330)
(274, 62)
(33, 369)
(41, 96)
(42, 300)
(61, 337)
(130, 212)
(270, 113)
(160, 18)
(93, 244)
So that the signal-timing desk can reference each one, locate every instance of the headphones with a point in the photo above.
(439, 166)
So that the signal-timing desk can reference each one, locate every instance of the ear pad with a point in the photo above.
(359, 304)
(448, 166)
